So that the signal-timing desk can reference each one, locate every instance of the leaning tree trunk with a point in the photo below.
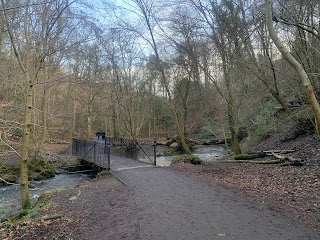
(295, 64)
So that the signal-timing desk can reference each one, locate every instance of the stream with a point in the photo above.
(10, 195)
(205, 153)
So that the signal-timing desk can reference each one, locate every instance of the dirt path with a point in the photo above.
(173, 205)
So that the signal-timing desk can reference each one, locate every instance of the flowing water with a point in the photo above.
(205, 153)
(210, 153)
(10, 195)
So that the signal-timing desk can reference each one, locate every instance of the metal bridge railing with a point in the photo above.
(98, 153)
(94, 152)
(116, 141)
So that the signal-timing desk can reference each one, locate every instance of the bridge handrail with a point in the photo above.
(91, 151)
(117, 141)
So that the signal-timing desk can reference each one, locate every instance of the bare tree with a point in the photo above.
(295, 64)
(223, 21)
(145, 9)
(30, 32)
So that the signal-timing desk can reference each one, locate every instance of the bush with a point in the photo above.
(206, 135)
(17, 132)
(265, 123)
(242, 133)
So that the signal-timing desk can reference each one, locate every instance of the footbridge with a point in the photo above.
(98, 153)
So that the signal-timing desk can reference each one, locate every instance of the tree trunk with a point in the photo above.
(44, 123)
(89, 126)
(106, 125)
(114, 122)
(73, 127)
(262, 75)
(164, 80)
(25, 197)
(295, 64)
(231, 115)
(232, 127)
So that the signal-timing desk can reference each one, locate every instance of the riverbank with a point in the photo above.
(37, 169)
(55, 162)
(102, 208)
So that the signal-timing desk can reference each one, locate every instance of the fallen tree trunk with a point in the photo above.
(248, 158)
(53, 217)
(168, 144)
(285, 158)
(292, 161)
(277, 161)
(284, 151)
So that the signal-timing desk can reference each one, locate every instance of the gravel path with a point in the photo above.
(173, 205)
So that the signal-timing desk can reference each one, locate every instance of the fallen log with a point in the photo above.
(8, 183)
(292, 161)
(286, 158)
(248, 156)
(284, 151)
(277, 161)
(46, 218)
(168, 144)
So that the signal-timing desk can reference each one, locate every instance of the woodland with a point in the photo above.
(189, 69)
